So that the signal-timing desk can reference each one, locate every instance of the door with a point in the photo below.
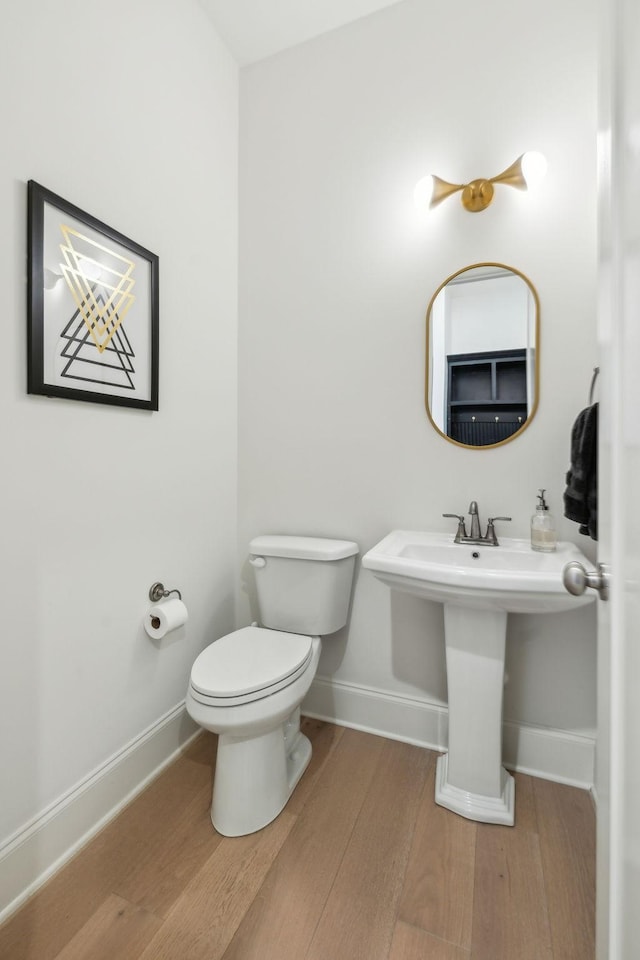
(618, 753)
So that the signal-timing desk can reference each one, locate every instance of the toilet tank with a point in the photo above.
(303, 583)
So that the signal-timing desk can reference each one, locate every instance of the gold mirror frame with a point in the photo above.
(536, 348)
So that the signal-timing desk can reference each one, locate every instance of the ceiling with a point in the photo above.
(255, 29)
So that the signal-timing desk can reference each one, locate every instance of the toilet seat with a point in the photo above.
(248, 665)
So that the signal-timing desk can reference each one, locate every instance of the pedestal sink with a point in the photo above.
(479, 586)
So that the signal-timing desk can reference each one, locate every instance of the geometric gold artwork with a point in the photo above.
(88, 264)
(93, 305)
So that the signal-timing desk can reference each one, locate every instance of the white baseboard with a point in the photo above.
(558, 755)
(42, 846)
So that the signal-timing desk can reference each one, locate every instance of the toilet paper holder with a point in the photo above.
(157, 592)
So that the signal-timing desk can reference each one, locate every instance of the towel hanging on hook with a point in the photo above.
(581, 494)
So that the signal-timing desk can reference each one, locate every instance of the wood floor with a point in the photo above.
(361, 865)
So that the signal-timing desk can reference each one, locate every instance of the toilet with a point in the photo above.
(248, 686)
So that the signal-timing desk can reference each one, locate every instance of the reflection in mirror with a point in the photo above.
(482, 355)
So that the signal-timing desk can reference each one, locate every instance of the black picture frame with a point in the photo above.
(93, 295)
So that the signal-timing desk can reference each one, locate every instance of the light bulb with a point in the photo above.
(423, 192)
(534, 167)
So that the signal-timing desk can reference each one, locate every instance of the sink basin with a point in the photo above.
(510, 577)
(479, 587)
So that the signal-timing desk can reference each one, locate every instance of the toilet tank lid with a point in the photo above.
(302, 548)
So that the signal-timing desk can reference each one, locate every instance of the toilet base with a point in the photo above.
(255, 776)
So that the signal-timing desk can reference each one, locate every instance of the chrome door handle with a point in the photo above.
(576, 579)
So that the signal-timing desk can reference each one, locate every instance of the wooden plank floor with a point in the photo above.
(361, 865)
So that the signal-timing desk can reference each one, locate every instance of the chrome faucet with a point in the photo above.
(475, 521)
(475, 536)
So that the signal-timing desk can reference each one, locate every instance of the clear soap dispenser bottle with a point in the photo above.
(543, 527)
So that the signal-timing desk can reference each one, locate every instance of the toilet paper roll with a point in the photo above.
(165, 617)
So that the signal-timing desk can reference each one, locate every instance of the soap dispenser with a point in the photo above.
(543, 527)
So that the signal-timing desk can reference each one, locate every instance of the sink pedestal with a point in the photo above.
(478, 586)
(470, 778)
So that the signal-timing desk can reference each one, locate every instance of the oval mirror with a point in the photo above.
(482, 355)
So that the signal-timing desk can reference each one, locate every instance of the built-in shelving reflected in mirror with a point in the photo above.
(482, 355)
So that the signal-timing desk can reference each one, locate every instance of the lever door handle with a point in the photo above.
(576, 579)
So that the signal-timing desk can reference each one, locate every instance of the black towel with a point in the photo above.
(581, 495)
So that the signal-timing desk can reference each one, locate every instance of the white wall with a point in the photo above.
(127, 109)
(337, 272)
(489, 314)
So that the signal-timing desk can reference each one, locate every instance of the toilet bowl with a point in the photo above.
(248, 686)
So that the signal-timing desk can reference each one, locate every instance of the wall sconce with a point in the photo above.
(524, 174)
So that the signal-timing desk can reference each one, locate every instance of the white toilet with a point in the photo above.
(248, 685)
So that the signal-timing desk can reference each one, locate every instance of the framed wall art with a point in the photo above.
(92, 308)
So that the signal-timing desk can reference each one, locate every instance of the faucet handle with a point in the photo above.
(461, 532)
(490, 535)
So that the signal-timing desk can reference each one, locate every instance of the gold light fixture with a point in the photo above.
(525, 173)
